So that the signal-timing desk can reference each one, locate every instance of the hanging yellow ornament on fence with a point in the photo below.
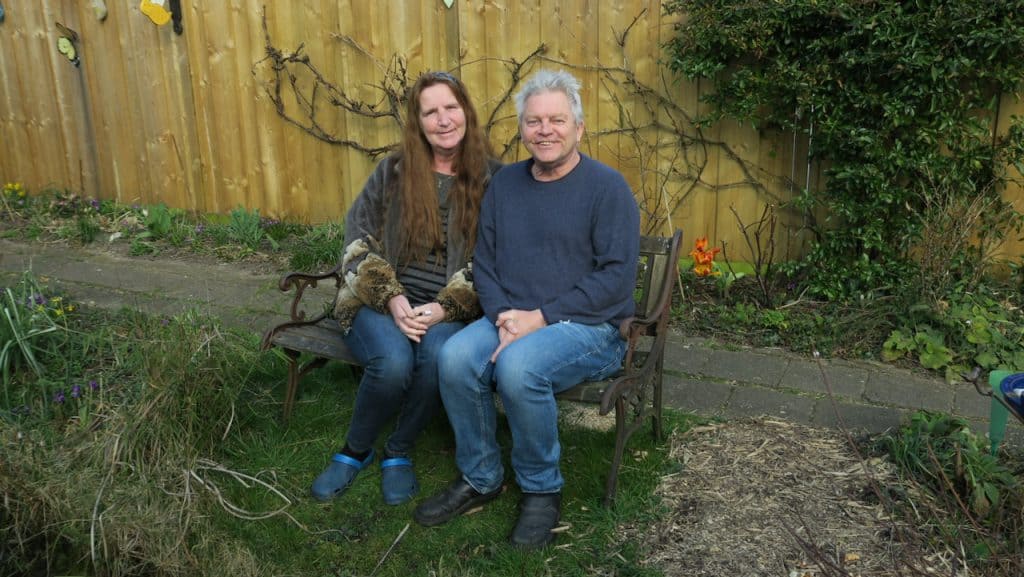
(156, 10)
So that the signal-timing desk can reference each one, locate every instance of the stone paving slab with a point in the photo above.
(909, 390)
(843, 380)
(746, 367)
(697, 396)
(753, 400)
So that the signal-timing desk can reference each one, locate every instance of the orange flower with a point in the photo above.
(703, 258)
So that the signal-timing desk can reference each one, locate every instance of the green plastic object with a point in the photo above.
(998, 414)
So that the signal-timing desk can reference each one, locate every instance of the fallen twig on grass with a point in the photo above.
(388, 552)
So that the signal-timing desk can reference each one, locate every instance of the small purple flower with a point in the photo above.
(76, 391)
(40, 300)
(164, 322)
(94, 385)
(95, 204)
(200, 229)
(58, 397)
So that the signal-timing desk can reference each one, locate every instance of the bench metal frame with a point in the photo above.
(635, 393)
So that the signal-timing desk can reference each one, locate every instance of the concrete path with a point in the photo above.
(700, 376)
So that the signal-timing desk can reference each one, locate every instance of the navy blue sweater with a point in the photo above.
(568, 247)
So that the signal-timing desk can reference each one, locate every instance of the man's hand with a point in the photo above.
(414, 322)
(515, 324)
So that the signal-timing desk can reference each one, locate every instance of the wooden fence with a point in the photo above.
(196, 120)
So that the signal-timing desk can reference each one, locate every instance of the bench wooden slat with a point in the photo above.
(635, 393)
(322, 339)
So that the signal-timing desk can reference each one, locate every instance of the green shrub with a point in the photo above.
(898, 96)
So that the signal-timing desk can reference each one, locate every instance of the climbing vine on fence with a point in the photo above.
(667, 147)
(898, 100)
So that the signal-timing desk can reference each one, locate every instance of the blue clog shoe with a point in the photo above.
(338, 476)
(398, 480)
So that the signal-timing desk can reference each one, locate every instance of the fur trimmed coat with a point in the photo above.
(368, 264)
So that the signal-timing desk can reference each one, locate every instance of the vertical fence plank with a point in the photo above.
(17, 134)
(37, 68)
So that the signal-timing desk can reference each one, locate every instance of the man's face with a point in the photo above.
(549, 129)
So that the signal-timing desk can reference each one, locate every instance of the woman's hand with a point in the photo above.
(414, 322)
(429, 314)
(405, 319)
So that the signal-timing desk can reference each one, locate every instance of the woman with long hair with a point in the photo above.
(407, 288)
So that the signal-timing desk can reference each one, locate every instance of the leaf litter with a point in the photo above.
(762, 497)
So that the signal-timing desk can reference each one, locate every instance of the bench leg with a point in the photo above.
(621, 434)
(295, 374)
(656, 423)
(637, 411)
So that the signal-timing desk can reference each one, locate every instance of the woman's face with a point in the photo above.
(442, 119)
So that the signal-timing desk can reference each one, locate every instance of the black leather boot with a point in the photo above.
(458, 498)
(539, 513)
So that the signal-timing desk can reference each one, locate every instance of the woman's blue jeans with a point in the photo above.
(399, 376)
(527, 376)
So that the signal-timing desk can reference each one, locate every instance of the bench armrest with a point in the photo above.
(636, 376)
(301, 281)
(644, 367)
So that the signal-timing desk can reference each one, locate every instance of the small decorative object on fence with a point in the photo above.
(175, 6)
(156, 10)
(67, 44)
(1, 13)
(99, 7)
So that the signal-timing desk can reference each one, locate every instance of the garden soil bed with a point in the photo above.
(771, 498)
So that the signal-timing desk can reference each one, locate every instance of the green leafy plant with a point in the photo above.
(87, 228)
(139, 247)
(926, 343)
(158, 221)
(246, 228)
(940, 452)
(319, 248)
(967, 331)
(30, 319)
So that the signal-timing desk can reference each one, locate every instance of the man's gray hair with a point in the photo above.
(551, 81)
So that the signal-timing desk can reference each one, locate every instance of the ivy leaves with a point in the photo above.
(900, 97)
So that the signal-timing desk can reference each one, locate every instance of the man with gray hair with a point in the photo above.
(554, 267)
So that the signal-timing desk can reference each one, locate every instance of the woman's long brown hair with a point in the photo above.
(421, 223)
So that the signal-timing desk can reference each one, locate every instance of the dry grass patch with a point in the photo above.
(770, 498)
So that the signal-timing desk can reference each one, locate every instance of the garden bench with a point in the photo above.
(635, 392)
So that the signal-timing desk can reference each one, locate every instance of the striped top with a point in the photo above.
(424, 280)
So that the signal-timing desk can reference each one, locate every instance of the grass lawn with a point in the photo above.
(355, 533)
(177, 462)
